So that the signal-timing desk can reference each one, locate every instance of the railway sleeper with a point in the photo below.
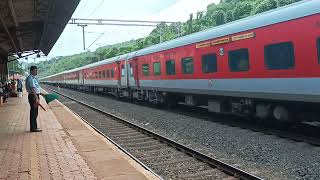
(147, 148)
(121, 130)
(210, 173)
(141, 143)
(121, 134)
(191, 171)
(147, 157)
(144, 139)
(162, 153)
(199, 166)
(129, 138)
(115, 126)
(174, 162)
(162, 150)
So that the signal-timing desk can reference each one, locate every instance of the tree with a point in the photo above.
(189, 25)
(229, 16)
(101, 53)
(242, 10)
(139, 44)
(113, 52)
(265, 5)
(15, 66)
(219, 18)
(286, 2)
(125, 49)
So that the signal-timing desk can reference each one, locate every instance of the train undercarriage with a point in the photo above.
(258, 109)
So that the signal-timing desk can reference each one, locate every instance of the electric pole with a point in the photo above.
(83, 35)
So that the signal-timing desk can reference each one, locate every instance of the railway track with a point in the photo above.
(300, 132)
(164, 157)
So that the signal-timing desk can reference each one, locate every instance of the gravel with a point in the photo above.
(266, 156)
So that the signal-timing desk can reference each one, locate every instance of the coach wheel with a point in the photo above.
(263, 111)
(281, 113)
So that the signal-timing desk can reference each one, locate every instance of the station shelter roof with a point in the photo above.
(32, 25)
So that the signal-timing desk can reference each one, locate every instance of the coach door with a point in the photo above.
(117, 71)
(130, 74)
(81, 80)
(79, 77)
(136, 72)
(123, 74)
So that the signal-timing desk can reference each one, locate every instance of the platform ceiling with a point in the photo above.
(31, 25)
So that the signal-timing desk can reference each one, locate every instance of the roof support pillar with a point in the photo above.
(3, 68)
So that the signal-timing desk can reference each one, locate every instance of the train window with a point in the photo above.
(239, 60)
(112, 73)
(156, 68)
(100, 74)
(318, 45)
(122, 70)
(279, 56)
(108, 73)
(187, 65)
(170, 67)
(209, 63)
(131, 70)
(145, 69)
(96, 75)
(103, 74)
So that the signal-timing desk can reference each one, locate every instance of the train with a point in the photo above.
(265, 66)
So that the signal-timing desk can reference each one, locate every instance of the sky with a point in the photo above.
(70, 41)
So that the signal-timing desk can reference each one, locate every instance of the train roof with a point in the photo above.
(106, 61)
(282, 14)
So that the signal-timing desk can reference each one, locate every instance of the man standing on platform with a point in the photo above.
(33, 88)
(19, 86)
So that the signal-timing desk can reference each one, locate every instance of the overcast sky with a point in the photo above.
(70, 41)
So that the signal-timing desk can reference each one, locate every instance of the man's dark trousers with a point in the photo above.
(33, 112)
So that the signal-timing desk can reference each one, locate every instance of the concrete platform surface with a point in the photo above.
(67, 148)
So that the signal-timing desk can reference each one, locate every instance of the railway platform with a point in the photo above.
(67, 148)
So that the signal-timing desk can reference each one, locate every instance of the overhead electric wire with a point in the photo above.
(96, 39)
(96, 8)
(83, 5)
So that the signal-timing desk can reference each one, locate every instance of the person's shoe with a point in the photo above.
(37, 130)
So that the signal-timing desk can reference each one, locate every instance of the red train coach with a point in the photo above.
(267, 65)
